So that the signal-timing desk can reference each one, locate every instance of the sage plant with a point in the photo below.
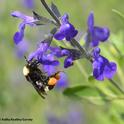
(49, 55)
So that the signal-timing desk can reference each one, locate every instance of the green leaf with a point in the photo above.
(88, 93)
(42, 20)
(81, 91)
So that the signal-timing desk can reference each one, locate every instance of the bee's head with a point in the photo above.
(31, 65)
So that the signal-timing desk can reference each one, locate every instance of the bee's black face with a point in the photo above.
(30, 67)
(33, 64)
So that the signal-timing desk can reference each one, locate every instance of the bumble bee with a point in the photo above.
(40, 81)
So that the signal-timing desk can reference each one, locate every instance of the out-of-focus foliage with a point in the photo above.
(18, 99)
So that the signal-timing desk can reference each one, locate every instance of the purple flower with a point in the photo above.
(41, 49)
(28, 4)
(96, 34)
(49, 69)
(45, 59)
(68, 62)
(102, 68)
(58, 52)
(42, 56)
(26, 20)
(66, 30)
(70, 54)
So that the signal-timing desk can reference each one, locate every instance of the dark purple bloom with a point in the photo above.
(41, 49)
(97, 34)
(68, 62)
(28, 4)
(45, 59)
(42, 56)
(70, 54)
(102, 68)
(49, 69)
(58, 52)
(66, 30)
(26, 20)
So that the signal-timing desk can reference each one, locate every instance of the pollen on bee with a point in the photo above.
(25, 71)
(52, 81)
(57, 76)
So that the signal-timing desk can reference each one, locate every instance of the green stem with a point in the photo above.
(119, 52)
(116, 85)
(79, 47)
(58, 22)
(50, 12)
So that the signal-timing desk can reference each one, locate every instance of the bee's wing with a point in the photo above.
(38, 91)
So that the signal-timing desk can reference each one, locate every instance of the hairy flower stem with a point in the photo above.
(74, 42)
(80, 48)
(50, 12)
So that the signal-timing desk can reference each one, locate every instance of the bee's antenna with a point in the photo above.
(36, 62)
(26, 59)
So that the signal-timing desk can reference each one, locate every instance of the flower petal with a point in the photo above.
(66, 30)
(25, 20)
(64, 19)
(110, 70)
(90, 22)
(58, 52)
(31, 56)
(59, 36)
(97, 73)
(49, 69)
(48, 62)
(18, 36)
(102, 68)
(101, 34)
(18, 14)
(96, 52)
(94, 43)
(48, 59)
(68, 62)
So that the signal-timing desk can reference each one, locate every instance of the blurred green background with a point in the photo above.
(18, 99)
